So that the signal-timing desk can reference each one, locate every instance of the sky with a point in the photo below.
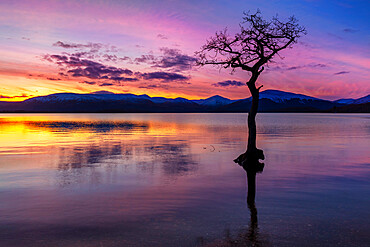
(147, 47)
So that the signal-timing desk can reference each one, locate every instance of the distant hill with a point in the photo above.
(105, 101)
(214, 101)
(353, 108)
(344, 101)
(281, 96)
(279, 101)
(362, 100)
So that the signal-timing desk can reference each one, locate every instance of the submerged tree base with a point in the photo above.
(250, 160)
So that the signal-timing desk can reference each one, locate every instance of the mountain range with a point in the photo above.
(104, 101)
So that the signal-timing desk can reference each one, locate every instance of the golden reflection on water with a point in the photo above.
(70, 141)
(28, 132)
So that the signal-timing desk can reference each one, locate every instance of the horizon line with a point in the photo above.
(110, 92)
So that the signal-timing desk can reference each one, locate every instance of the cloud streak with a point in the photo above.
(229, 83)
(163, 76)
(99, 51)
(76, 67)
(349, 30)
(172, 59)
(93, 47)
(13, 97)
(341, 73)
(162, 36)
(312, 65)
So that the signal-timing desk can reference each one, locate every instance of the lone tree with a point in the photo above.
(257, 43)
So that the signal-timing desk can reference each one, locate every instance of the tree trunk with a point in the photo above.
(252, 130)
(253, 154)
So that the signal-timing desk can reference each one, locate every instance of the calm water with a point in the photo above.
(170, 180)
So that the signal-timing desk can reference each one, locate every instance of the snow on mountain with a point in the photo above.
(102, 92)
(104, 96)
(59, 97)
(164, 100)
(362, 100)
(120, 97)
(158, 99)
(182, 100)
(214, 101)
(64, 97)
(280, 96)
(344, 101)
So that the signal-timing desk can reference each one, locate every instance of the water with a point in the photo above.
(170, 180)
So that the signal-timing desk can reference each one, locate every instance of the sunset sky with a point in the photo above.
(146, 47)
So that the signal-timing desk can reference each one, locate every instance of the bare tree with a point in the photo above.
(257, 43)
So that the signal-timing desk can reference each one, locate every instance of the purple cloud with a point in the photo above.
(114, 58)
(53, 79)
(103, 84)
(341, 73)
(311, 65)
(318, 65)
(77, 67)
(149, 86)
(90, 45)
(145, 59)
(89, 82)
(229, 83)
(162, 36)
(163, 76)
(349, 30)
(294, 67)
(99, 51)
(120, 78)
(171, 59)
(106, 84)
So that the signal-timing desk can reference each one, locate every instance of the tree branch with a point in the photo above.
(256, 44)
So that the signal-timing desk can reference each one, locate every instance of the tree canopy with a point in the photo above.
(258, 41)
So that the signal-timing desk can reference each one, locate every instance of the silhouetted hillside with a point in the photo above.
(352, 108)
(270, 101)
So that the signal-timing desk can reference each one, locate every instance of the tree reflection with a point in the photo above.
(253, 232)
(250, 236)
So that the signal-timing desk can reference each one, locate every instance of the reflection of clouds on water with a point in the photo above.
(176, 158)
(94, 126)
(91, 163)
